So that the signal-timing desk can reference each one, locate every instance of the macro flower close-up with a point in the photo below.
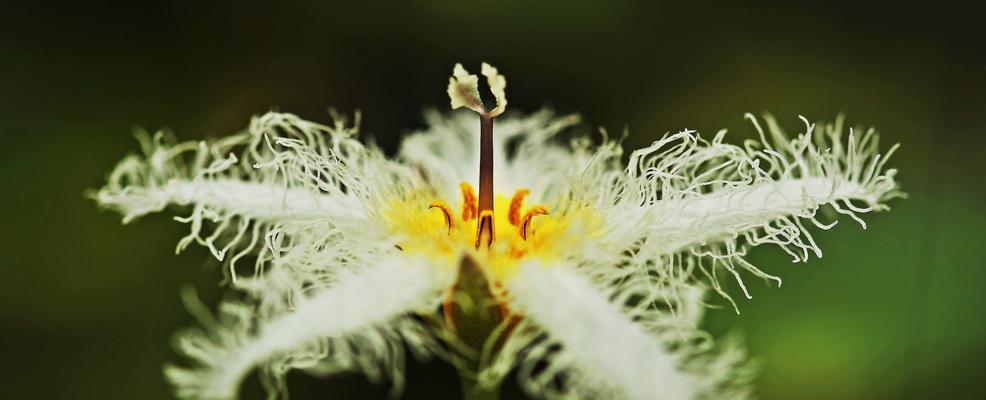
(512, 200)
(497, 241)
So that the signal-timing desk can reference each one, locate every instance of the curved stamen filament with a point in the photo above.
(449, 217)
(533, 212)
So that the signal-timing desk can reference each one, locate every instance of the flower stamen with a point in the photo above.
(515, 203)
(447, 211)
(533, 212)
(468, 201)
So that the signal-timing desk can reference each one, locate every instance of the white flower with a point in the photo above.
(594, 291)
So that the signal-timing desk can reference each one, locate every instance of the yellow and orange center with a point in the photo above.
(521, 231)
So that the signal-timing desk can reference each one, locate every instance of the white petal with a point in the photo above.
(369, 300)
(268, 202)
(697, 192)
(243, 189)
(599, 339)
(709, 201)
(678, 224)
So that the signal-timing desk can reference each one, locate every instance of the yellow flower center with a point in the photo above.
(521, 231)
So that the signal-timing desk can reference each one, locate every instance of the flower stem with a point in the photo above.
(472, 390)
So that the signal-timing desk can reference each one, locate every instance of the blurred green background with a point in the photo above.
(88, 307)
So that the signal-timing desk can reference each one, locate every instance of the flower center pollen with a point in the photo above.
(519, 218)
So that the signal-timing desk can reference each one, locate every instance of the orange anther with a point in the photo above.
(449, 217)
(515, 203)
(469, 206)
(533, 212)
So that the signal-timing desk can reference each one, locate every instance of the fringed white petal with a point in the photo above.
(597, 338)
(688, 204)
(258, 201)
(680, 224)
(354, 312)
(255, 192)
